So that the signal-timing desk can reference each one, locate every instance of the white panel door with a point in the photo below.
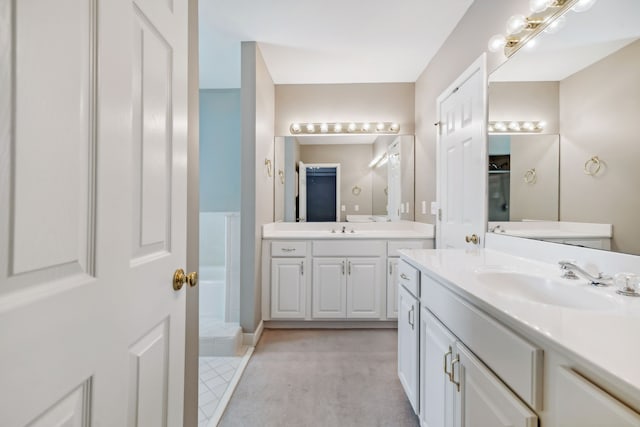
(408, 351)
(462, 159)
(482, 399)
(436, 354)
(288, 288)
(92, 217)
(364, 288)
(329, 298)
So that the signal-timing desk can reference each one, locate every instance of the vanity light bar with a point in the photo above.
(344, 128)
(526, 126)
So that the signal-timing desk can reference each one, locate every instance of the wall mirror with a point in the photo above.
(376, 175)
(583, 81)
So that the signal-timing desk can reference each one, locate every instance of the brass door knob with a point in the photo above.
(472, 239)
(180, 278)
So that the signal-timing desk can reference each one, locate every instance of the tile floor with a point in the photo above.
(215, 374)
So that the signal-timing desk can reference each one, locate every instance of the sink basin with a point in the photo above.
(543, 290)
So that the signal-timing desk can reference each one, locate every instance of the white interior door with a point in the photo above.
(394, 182)
(302, 192)
(462, 164)
(92, 217)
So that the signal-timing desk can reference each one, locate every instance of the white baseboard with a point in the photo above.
(324, 324)
(251, 339)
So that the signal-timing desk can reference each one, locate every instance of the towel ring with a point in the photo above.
(356, 190)
(281, 175)
(530, 176)
(592, 166)
(267, 163)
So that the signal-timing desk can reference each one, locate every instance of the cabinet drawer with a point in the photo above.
(409, 277)
(348, 248)
(394, 246)
(517, 362)
(281, 249)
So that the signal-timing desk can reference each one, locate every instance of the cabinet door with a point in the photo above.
(408, 318)
(436, 354)
(482, 399)
(364, 288)
(579, 403)
(392, 288)
(288, 288)
(329, 288)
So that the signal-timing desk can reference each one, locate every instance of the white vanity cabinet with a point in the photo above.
(408, 350)
(289, 283)
(347, 287)
(393, 258)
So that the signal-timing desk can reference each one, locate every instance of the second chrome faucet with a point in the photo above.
(573, 271)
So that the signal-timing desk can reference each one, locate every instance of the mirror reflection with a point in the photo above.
(374, 177)
(584, 82)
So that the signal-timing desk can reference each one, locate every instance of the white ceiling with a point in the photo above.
(586, 38)
(328, 41)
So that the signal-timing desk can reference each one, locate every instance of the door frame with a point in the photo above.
(480, 64)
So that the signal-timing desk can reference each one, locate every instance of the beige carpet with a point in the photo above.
(321, 378)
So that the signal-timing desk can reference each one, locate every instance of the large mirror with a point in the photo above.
(584, 82)
(375, 182)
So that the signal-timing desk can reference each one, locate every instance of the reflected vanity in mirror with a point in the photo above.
(583, 81)
(375, 177)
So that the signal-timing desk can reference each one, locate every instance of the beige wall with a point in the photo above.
(354, 170)
(393, 102)
(537, 200)
(465, 44)
(258, 101)
(525, 101)
(600, 116)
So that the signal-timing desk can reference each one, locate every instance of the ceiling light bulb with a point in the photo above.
(380, 126)
(497, 43)
(528, 126)
(542, 125)
(324, 128)
(311, 128)
(499, 126)
(490, 128)
(366, 127)
(295, 128)
(516, 23)
(538, 6)
(556, 25)
(514, 126)
(394, 127)
(352, 127)
(583, 5)
(337, 128)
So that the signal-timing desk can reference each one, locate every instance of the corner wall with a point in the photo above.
(257, 123)
(465, 44)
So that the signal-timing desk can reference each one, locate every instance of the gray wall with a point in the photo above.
(220, 150)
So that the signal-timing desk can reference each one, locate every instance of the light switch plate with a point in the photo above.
(343, 208)
(356, 208)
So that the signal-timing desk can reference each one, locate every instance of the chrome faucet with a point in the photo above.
(497, 229)
(570, 269)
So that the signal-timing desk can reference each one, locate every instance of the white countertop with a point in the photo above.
(607, 339)
(553, 229)
(333, 230)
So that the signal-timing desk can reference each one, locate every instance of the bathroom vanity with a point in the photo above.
(341, 272)
(504, 340)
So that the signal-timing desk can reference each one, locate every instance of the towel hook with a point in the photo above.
(592, 166)
(267, 163)
(530, 176)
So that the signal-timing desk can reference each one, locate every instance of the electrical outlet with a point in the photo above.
(343, 208)
(356, 208)
(424, 207)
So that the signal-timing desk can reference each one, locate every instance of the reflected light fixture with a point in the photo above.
(515, 126)
(546, 15)
(344, 127)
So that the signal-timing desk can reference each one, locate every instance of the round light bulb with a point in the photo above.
(556, 25)
(514, 126)
(542, 125)
(324, 128)
(497, 42)
(295, 128)
(500, 126)
(538, 6)
(527, 126)
(583, 5)
(380, 126)
(352, 127)
(311, 128)
(394, 127)
(366, 127)
(337, 128)
(516, 23)
(490, 128)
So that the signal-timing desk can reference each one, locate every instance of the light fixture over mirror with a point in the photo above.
(373, 127)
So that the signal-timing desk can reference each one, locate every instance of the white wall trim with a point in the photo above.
(251, 338)
(331, 324)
